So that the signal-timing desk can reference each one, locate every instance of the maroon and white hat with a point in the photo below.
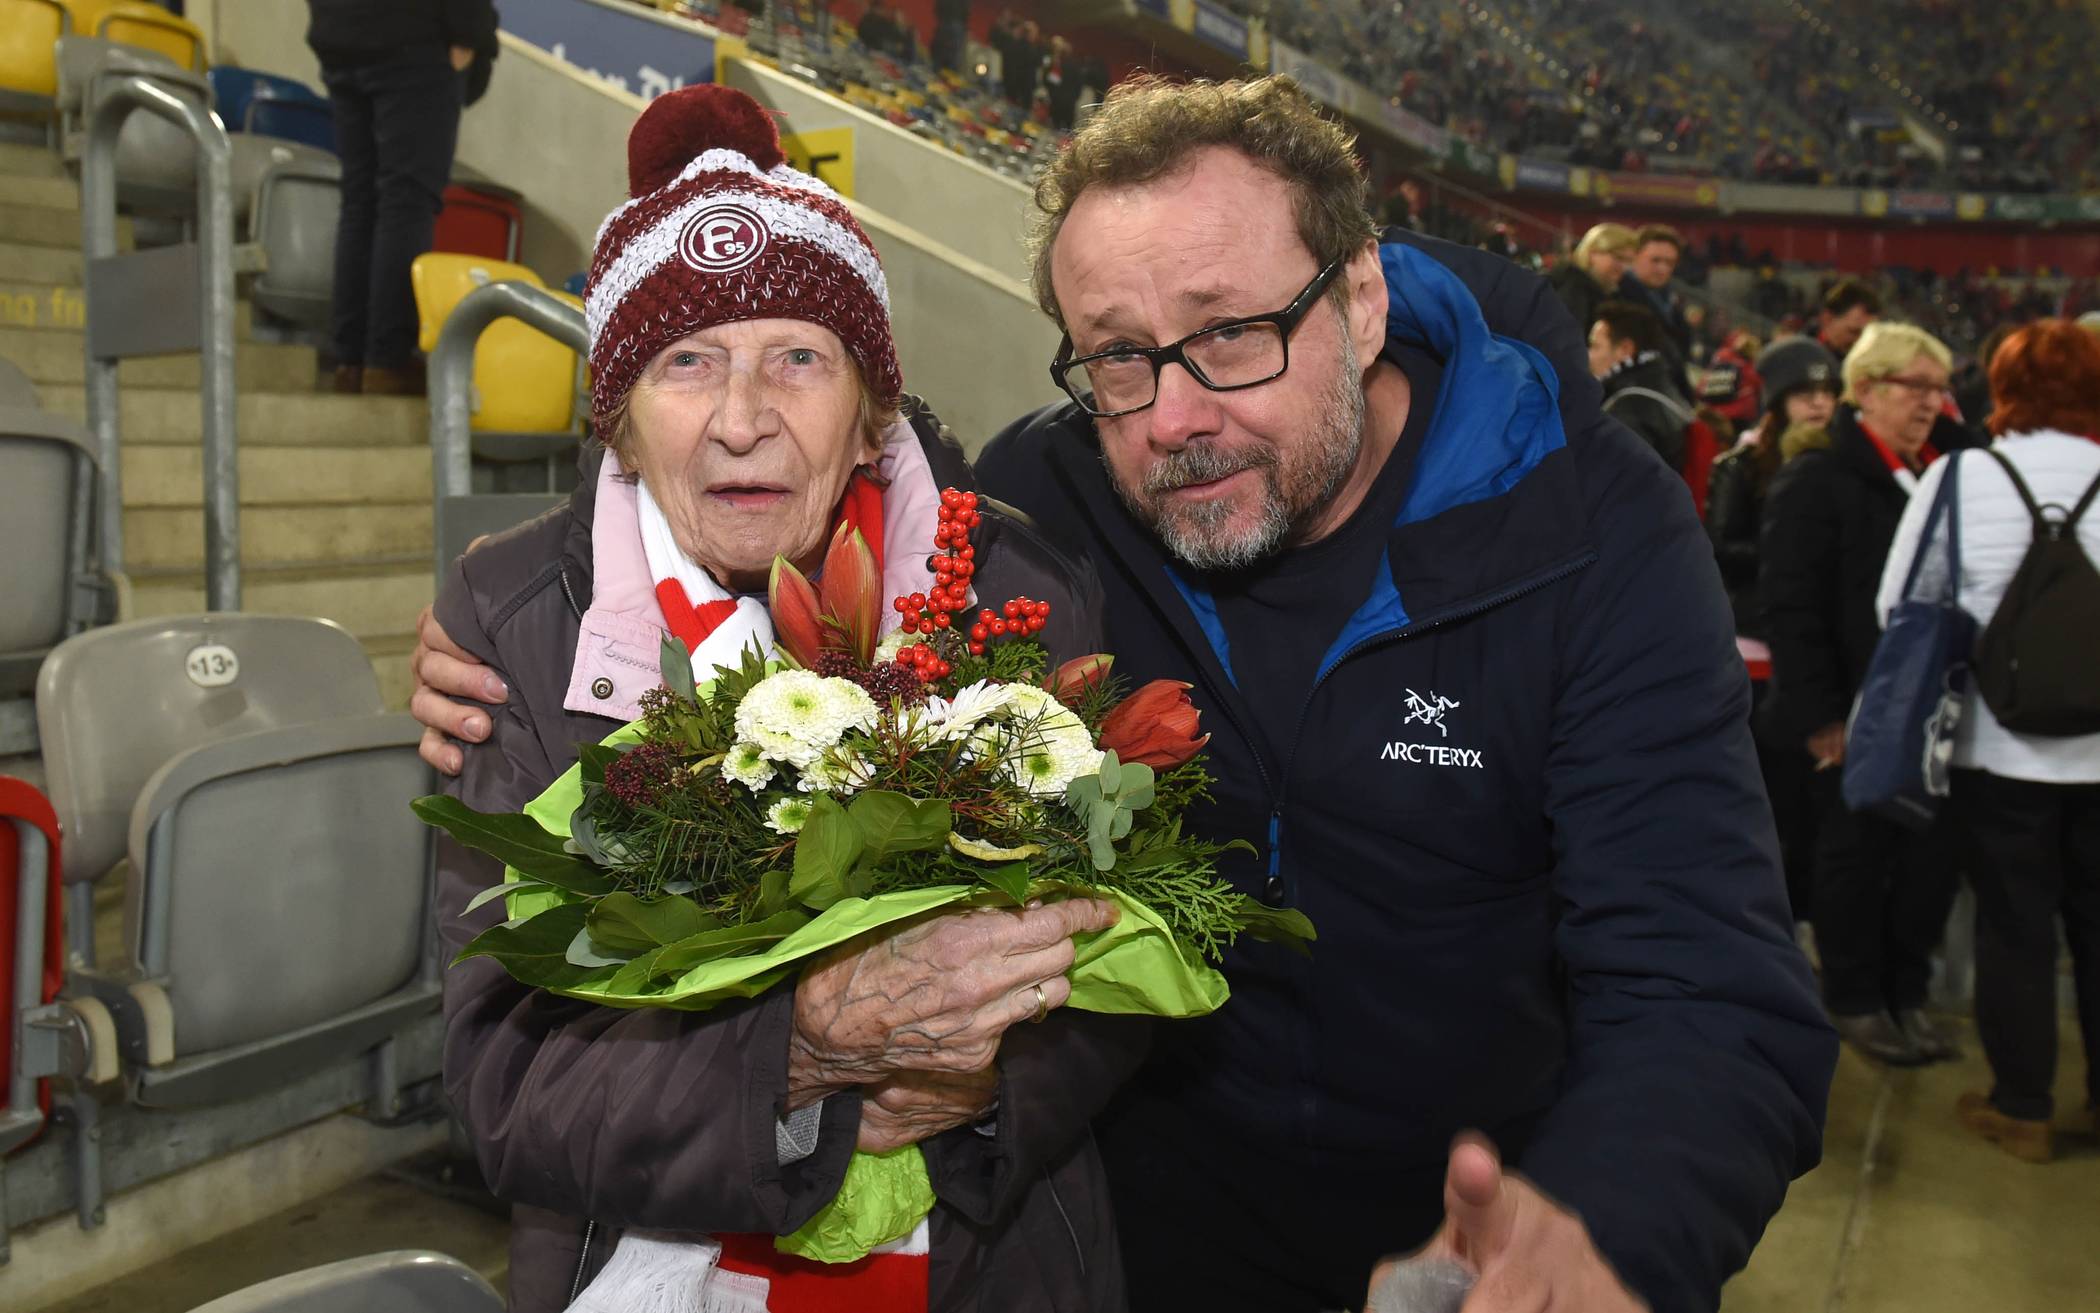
(719, 229)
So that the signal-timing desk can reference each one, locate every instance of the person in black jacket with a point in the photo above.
(1882, 894)
(1591, 275)
(1627, 356)
(397, 74)
(1800, 391)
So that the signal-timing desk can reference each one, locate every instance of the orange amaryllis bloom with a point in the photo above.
(1155, 725)
(850, 592)
(1070, 681)
(797, 622)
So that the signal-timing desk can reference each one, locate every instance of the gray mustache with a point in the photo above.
(1203, 464)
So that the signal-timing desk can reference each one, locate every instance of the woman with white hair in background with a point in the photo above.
(2024, 812)
(1881, 894)
(1591, 275)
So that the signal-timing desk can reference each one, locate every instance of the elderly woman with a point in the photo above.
(1881, 894)
(744, 371)
(1592, 275)
(2024, 808)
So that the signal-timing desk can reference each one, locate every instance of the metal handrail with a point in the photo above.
(451, 371)
(115, 99)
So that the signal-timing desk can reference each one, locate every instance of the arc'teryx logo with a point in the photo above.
(1429, 711)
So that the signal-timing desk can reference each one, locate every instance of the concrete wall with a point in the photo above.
(968, 335)
(955, 201)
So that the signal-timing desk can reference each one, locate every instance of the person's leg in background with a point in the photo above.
(1921, 892)
(2081, 912)
(415, 116)
(358, 158)
(1854, 854)
(2009, 838)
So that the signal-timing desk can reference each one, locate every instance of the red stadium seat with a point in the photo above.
(477, 221)
(21, 801)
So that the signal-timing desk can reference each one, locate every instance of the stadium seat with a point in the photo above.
(253, 101)
(147, 26)
(156, 160)
(404, 1281)
(297, 204)
(16, 389)
(277, 884)
(253, 156)
(29, 35)
(47, 471)
(525, 383)
(479, 219)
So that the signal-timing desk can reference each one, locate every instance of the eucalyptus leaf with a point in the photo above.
(535, 951)
(677, 667)
(1110, 776)
(584, 953)
(621, 922)
(825, 851)
(1011, 880)
(515, 840)
(890, 823)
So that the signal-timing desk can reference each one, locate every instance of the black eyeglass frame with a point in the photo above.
(1286, 321)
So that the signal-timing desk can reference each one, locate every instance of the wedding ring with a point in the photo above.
(1042, 1003)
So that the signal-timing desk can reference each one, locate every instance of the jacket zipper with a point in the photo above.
(1078, 1250)
(563, 570)
(583, 1256)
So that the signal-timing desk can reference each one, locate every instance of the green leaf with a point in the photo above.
(505, 890)
(1011, 880)
(728, 941)
(622, 922)
(535, 951)
(1137, 788)
(772, 893)
(515, 840)
(890, 823)
(677, 666)
(1110, 775)
(825, 851)
(583, 953)
(593, 758)
(1279, 925)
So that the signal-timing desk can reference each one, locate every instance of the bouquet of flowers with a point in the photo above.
(762, 814)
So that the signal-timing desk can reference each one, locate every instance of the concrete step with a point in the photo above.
(60, 193)
(25, 262)
(18, 160)
(60, 305)
(163, 476)
(54, 355)
(45, 225)
(157, 416)
(172, 537)
(374, 600)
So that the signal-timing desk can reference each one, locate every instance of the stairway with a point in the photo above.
(335, 491)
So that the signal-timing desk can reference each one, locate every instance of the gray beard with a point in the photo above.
(1201, 535)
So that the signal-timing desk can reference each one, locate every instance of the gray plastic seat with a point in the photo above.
(297, 204)
(277, 888)
(251, 157)
(404, 1281)
(156, 160)
(47, 473)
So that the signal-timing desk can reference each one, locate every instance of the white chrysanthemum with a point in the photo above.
(892, 643)
(1047, 745)
(746, 764)
(788, 815)
(837, 771)
(944, 720)
(796, 716)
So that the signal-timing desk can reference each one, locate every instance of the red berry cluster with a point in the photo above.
(1020, 617)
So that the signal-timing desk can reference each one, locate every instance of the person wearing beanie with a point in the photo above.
(1799, 389)
(746, 389)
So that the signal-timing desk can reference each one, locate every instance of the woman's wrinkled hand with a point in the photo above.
(934, 997)
(916, 1105)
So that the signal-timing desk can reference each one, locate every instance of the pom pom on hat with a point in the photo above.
(680, 126)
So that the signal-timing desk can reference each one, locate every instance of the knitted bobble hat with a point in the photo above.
(718, 229)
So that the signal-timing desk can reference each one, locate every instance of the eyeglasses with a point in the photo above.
(1239, 353)
(1918, 387)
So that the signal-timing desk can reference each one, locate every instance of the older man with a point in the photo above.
(1477, 709)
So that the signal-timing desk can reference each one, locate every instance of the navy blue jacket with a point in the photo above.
(1523, 812)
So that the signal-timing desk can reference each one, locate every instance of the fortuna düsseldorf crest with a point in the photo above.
(722, 239)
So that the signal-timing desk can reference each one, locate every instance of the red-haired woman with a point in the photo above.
(2025, 809)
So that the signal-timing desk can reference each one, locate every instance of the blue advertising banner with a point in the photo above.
(1227, 31)
(634, 50)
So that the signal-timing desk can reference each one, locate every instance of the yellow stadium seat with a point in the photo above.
(29, 33)
(136, 23)
(524, 381)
